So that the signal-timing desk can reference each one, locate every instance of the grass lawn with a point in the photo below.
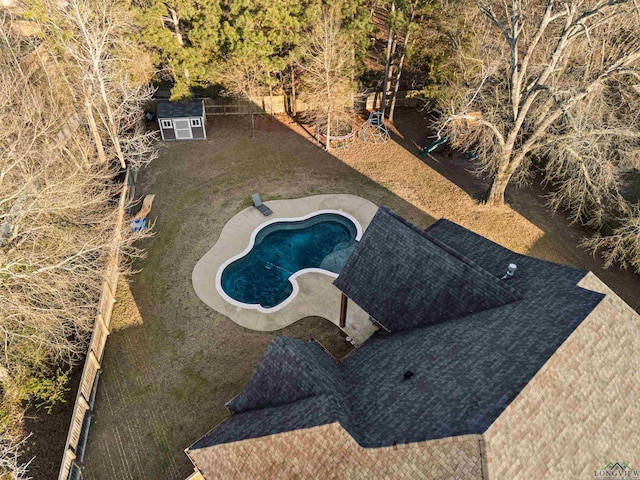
(172, 362)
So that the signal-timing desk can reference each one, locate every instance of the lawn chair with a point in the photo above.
(146, 207)
(257, 202)
(140, 222)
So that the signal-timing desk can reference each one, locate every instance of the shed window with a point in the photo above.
(196, 122)
(166, 124)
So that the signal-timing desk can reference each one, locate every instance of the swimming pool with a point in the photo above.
(263, 276)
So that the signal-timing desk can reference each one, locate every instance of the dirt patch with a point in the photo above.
(49, 433)
(323, 331)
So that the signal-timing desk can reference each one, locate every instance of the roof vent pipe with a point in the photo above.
(511, 271)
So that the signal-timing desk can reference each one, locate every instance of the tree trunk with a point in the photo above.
(353, 77)
(293, 93)
(271, 99)
(93, 128)
(498, 187)
(328, 142)
(392, 66)
(387, 67)
(353, 65)
(113, 128)
(175, 19)
(97, 66)
(396, 86)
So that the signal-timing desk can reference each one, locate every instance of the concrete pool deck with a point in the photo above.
(317, 296)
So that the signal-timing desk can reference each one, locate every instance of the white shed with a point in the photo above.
(182, 121)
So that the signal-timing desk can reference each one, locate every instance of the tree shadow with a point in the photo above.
(412, 129)
(561, 239)
(182, 356)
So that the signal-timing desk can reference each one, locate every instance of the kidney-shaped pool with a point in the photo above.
(264, 276)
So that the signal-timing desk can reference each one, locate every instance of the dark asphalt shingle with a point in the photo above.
(305, 413)
(290, 370)
(404, 277)
(167, 109)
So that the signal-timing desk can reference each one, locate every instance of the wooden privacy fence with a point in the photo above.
(407, 98)
(75, 445)
(237, 105)
(244, 106)
(282, 103)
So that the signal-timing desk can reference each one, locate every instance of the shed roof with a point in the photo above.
(167, 109)
(467, 366)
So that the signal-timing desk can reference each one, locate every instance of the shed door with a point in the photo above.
(182, 128)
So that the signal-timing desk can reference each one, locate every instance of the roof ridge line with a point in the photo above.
(475, 266)
(298, 349)
(279, 405)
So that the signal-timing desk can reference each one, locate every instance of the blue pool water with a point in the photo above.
(262, 276)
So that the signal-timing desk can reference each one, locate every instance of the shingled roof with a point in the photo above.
(303, 370)
(404, 277)
(469, 361)
(167, 109)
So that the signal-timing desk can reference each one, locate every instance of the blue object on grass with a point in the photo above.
(375, 129)
(139, 224)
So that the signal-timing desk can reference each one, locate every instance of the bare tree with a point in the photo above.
(623, 245)
(398, 71)
(96, 38)
(58, 192)
(11, 465)
(244, 75)
(326, 65)
(390, 50)
(588, 161)
(552, 72)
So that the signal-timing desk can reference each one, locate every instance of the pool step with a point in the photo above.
(343, 245)
(336, 260)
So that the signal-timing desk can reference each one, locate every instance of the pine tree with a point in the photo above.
(185, 36)
(266, 32)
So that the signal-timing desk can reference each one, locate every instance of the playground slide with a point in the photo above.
(432, 146)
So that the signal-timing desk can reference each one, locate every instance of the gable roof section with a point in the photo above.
(290, 370)
(167, 109)
(296, 385)
(306, 413)
(404, 277)
(466, 371)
